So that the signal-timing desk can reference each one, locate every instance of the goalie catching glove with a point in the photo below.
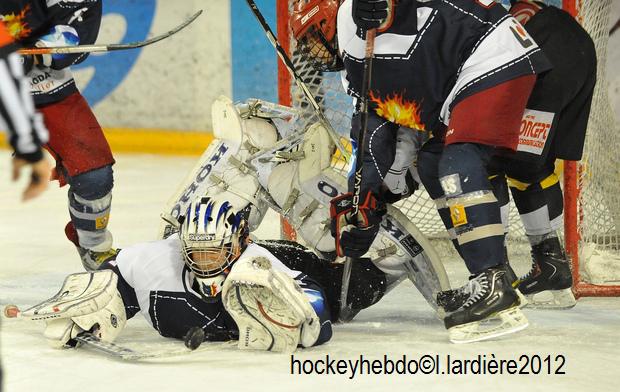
(270, 309)
(355, 234)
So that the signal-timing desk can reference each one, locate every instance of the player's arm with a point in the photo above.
(74, 22)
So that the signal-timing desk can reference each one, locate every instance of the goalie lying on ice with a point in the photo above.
(208, 275)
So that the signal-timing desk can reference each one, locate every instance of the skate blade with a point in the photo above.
(510, 321)
(552, 299)
(523, 302)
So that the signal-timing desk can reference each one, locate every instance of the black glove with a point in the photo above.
(370, 14)
(355, 234)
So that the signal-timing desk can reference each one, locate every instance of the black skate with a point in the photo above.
(549, 282)
(91, 260)
(491, 310)
(451, 300)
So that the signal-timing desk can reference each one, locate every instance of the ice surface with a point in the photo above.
(35, 257)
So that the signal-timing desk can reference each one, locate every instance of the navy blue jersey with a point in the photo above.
(28, 20)
(434, 55)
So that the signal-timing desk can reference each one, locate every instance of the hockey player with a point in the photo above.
(83, 156)
(208, 275)
(17, 115)
(553, 128)
(464, 70)
(560, 103)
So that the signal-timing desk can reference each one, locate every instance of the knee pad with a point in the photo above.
(93, 184)
(90, 200)
(462, 168)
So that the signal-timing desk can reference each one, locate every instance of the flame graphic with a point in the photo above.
(397, 110)
(16, 24)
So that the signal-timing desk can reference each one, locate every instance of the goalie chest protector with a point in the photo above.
(434, 54)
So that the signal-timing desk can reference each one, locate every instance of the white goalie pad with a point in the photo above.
(269, 307)
(81, 293)
(220, 175)
(87, 301)
(226, 121)
(231, 126)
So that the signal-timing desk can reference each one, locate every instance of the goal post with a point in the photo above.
(591, 187)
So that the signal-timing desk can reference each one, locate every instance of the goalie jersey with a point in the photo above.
(153, 280)
(435, 54)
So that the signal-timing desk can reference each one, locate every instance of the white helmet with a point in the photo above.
(212, 238)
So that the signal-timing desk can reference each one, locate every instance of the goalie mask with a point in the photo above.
(212, 239)
(313, 24)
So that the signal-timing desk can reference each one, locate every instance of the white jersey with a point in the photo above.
(164, 293)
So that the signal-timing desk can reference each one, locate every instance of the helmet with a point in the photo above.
(212, 239)
(313, 24)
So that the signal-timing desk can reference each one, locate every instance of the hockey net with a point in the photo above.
(591, 187)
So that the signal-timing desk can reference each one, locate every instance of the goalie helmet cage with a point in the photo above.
(591, 186)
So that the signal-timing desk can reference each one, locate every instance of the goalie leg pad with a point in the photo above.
(270, 309)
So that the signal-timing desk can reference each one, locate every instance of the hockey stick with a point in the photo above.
(127, 354)
(192, 342)
(298, 80)
(109, 47)
(346, 312)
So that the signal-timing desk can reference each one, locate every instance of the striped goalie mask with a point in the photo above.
(212, 236)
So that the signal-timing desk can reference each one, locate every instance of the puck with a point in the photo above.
(194, 338)
(11, 311)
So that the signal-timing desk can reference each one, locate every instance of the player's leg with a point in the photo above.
(479, 124)
(84, 161)
(538, 197)
(474, 216)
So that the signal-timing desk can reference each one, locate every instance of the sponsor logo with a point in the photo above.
(520, 34)
(102, 222)
(202, 175)
(201, 237)
(309, 15)
(458, 215)
(114, 320)
(344, 203)
(534, 132)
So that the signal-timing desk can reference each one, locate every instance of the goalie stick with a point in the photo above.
(108, 47)
(87, 339)
(126, 354)
(298, 80)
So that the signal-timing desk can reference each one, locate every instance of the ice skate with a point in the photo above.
(491, 310)
(91, 260)
(549, 282)
(451, 300)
